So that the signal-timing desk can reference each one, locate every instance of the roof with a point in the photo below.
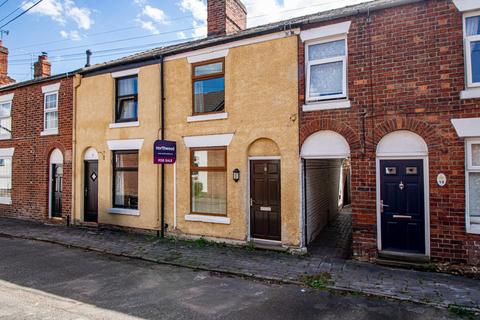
(155, 54)
(36, 81)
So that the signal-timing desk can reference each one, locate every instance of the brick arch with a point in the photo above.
(52, 146)
(431, 136)
(337, 126)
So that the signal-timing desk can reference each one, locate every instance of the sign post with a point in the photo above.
(164, 152)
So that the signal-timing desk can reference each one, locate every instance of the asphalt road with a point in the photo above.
(47, 281)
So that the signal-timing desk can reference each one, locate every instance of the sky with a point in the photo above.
(64, 29)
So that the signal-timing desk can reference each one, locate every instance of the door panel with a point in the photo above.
(403, 209)
(265, 203)
(91, 191)
(57, 189)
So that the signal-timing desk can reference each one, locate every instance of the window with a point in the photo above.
(127, 99)
(326, 64)
(209, 87)
(125, 179)
(209, 181)
(5, 179)
(6, 120)
(51, 111)
(472, 49)
(473, 185)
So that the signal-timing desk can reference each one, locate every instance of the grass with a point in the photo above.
(461, 312)
(319, 281)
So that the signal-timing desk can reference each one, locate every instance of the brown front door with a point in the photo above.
(91, 191)
(265, 222)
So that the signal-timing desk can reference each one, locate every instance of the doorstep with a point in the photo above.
(268, 245)
(403, 260)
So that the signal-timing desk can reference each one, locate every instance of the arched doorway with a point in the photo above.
(90, 202)
(56, 184)
(326, 193)
(402, 194)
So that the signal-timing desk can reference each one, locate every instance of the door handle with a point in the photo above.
(383, 206)
(86, 192)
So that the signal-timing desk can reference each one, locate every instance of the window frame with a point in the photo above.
(207, 77)
(119, 97)
(45, 111)
(309, 64)
(9, 134)
(469, 168)
(114, 180)
(467, 40)
(7, 200)
(208, 169)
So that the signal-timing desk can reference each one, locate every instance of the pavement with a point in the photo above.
(40, 280)
(434, 289)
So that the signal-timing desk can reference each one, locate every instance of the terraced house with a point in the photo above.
(36, 144)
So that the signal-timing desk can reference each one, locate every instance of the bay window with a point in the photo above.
(473, 185)
(326, 69)
(208, 87)
(125, 179)
(472, 48)
(209, 181)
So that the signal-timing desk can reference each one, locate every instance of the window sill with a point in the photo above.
(208, 117)
(124, 125)
(127, 212)
(5, 200)
(207, 219)
(50, 132)
(474, 229)
(5, 137)
(470, 93)
(327, 105)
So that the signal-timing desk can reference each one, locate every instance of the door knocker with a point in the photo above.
(401, 185)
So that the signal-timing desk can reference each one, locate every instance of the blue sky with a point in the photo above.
(114, 28)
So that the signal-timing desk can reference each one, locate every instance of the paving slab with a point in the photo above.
(424, 287)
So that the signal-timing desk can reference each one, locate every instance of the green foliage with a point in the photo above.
(462, 312)
(319, 281)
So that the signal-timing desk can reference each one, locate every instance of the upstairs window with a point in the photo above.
(51, 111)
(127, 99)
(472, 49)
(209, 87)
(326, 64)
(5, 120)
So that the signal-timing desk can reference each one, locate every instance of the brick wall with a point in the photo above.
(405, 71)
(30, 173)
(225, 17)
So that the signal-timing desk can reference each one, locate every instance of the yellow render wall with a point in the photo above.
(261, 99)
(95, 105)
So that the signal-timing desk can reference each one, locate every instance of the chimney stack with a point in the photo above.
(225, 17)
(42, 68)
(4, 78)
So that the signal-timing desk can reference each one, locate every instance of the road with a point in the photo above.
(47, 281)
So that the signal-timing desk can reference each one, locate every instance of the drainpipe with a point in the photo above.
(77, 80)
(161, 232)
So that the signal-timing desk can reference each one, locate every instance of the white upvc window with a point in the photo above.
(326, 69)
(471, 32)
(472, 173)
(5, 120)
(51, 112)
(5, 180)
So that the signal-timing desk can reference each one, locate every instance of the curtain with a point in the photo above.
(473, 26)
(326, 79)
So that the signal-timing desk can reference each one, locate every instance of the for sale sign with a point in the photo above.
(164, 152)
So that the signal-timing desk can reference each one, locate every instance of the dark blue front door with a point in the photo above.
(402, 205)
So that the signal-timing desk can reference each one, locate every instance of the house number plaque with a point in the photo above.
(441, 179)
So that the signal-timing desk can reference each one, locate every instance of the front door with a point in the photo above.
(402, 205)
(57, 186)
(265, 222)
(91, 191)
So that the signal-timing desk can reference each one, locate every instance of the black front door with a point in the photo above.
(265, 199)
(91, 191)
(57, 186)
(402, 205)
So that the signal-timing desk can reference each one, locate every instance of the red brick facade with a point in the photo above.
(405, 71)
(30, 172)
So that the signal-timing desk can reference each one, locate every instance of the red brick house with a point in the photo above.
(394, 87)
(36, 144)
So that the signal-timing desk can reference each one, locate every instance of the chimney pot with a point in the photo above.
(226, 17)
(42, 68)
